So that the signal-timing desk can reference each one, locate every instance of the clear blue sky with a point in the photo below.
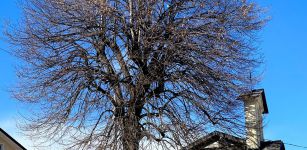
(283, 43)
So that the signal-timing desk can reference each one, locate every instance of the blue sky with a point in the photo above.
(283, 43)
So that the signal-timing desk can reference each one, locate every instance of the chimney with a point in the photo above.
(254, 106)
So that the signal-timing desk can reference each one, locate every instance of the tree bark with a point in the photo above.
(131, 133)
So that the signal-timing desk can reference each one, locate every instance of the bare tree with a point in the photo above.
(125, 74)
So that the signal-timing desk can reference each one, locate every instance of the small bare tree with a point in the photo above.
(125, 74)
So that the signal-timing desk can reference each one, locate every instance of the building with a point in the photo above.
(255, 106)
(9, 143)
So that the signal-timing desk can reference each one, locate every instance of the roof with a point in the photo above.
(233, 143)
(257, 92)
(213, 137)
(273, 145)
(12, 139)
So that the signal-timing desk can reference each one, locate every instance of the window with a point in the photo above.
(1, 147)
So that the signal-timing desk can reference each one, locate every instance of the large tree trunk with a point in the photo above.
(131, 133)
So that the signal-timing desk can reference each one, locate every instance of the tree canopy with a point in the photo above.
(123, 74)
